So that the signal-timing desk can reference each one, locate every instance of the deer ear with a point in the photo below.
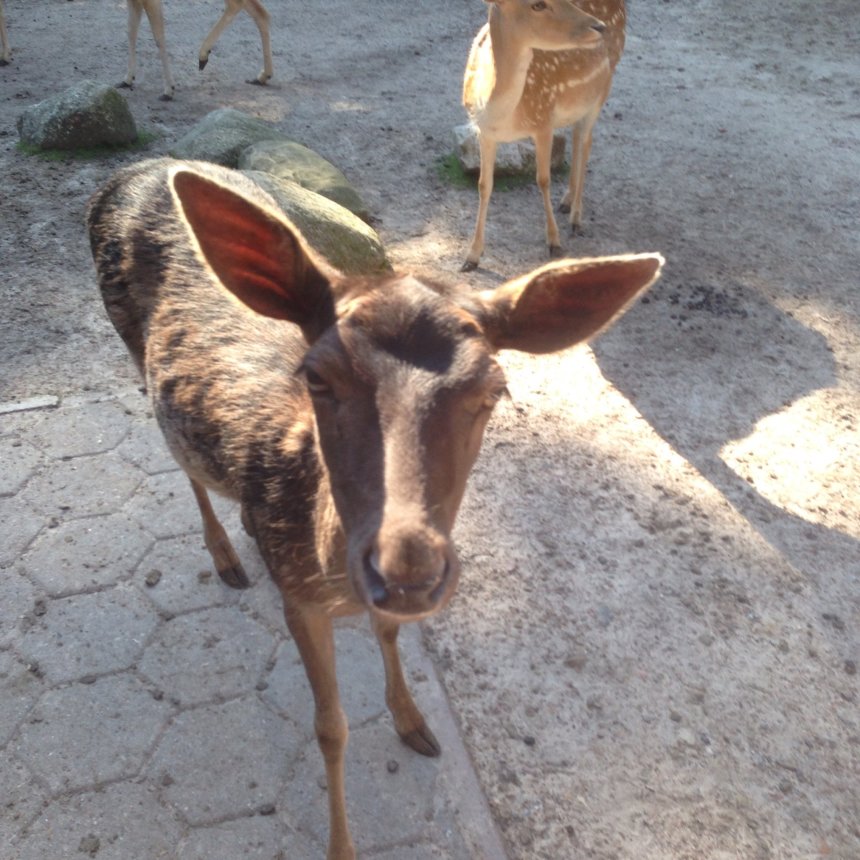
(255, 253)
(566, 302)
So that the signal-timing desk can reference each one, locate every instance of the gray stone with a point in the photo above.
(85, 115)
(222, 135)
(117, 822)
(224, 761)
(181, 561)
(404, 799)
(341, 237)
(164, 505)
(22, 799)
(19, 459)
(214, 653)
(57, 737)
(512, 159)
(260, 837)
(83, 486)
(19, 524)
(145, 447)
(87, 553)
(80, 635)
(20, 687)
(76, 432)
(292, 161)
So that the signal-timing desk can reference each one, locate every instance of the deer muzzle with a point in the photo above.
(409, 574)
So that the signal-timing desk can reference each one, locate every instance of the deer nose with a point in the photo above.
(411, 579)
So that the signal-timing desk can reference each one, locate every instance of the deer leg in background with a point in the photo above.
(5, 55)
(155, 13)
(580, 151)
(312, 632)
(135, 11)
(408, 720)
(485, 190)
(261, 18)
(223, 555)
(543, 158)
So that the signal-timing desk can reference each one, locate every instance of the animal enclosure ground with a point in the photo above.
(653, 652)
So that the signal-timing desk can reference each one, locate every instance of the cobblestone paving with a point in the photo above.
(146, 710)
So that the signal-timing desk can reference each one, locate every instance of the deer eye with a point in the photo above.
(494, 397)
(539, 6)
(316, 384)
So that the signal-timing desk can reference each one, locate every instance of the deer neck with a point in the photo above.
(511, 61)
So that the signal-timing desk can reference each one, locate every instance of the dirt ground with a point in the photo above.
(654, 650)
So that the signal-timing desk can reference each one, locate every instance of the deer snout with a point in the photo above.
(409, 572)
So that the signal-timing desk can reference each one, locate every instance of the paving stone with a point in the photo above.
(402, 799)
(20, 688)
(21, 801)
(78, 736)
(17, 599)
(89, 634)
(82, 554)
(20, 460)
(361, 680)
(92, 428)
(212, 653)
(178, 576)
(123, 821)
(144, 446)
(452, 848)
(260, 837)
(164, 505)
(83, 486)
(226, 760)
(19, 524)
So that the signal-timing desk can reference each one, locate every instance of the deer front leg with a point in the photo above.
(485, 190)
(223, 555)
(543, 159)
(408, 720)
(5, 55)
(313, 635)
(234, 7)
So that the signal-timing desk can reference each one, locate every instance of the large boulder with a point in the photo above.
(341, 237)
(289, 160)
(86, 115)
(222, 135)
(512, 159)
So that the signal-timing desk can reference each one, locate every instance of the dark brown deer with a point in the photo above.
(343, 413)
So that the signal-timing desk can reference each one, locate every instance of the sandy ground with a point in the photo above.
(654, 651)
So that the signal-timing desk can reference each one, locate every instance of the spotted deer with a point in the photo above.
(535, 66)
(344, 413)
(155, 14)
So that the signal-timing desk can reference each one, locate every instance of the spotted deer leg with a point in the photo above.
(408, 720)
(223, 555)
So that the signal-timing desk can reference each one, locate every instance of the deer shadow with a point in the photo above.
(705, 365)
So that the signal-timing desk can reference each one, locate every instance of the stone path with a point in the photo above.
(146, 710)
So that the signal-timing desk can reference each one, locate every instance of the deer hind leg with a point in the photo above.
(408, 720)
(135, 11)
(543, 158)
(313, 635)
(155, 14)
(223, 555)
(5, 55)
(580, 151)
(261, 18)
(485, 190)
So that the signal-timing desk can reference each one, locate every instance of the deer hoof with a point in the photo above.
(555, 251)
(124, 85)
(469, 266)
(423, 741)
(235, 577)
(4, 62)
(564, 206)
(166, 97)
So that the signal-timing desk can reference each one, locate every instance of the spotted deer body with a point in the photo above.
(535, 67)
(343, 413)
